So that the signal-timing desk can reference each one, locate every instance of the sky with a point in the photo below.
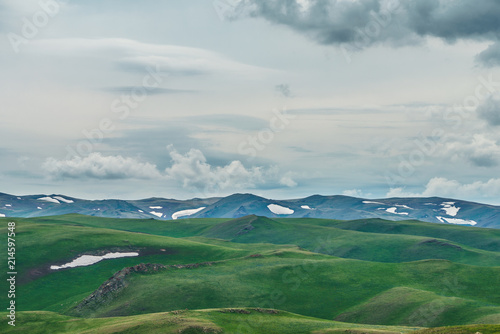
(280, 98)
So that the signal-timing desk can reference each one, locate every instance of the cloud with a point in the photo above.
(444, 187)
(131, 55)
(148, 90)
(489, 110)
(353, 193)
(481, 151)
(363, 23)
(97, 166)
(491, 56)
(192, 171)
(287, 180)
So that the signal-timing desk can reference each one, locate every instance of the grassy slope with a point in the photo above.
(352, 244)
(406, 305)
(313, 285)
(193, 322)
(471, 329)
(291, 280)
(481, 238)
(41, 245)
(371, 240)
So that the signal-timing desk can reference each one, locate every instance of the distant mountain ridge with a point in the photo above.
(432, 209)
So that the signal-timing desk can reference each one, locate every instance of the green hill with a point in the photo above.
(247, 320)
(370, 240)
(375, 272)
(312, 285)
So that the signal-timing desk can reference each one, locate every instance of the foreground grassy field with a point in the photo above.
(374, 272)
(194, 322)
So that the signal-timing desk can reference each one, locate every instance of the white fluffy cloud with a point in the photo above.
(444, 187)
(190, 170)
(480, 150)
(353, 193)
(287, 180)
(97, 166)
(193, 171)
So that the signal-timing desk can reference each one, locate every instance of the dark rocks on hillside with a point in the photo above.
(114, 285)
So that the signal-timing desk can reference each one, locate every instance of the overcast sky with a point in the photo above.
(281, 98)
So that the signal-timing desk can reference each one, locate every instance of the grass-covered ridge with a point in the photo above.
(234, 320)
(376, 272)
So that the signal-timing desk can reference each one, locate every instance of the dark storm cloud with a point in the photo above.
(452, 20)
(483, 161)
(489, 111)
(491, 56)
(364, 23)
(329, 22)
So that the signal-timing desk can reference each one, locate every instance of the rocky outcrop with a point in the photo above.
(114, 285)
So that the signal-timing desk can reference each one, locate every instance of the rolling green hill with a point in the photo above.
(375, 272)
(370, 240)
(217, 321)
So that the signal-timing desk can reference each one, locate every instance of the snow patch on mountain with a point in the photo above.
(156, 207)
(456, 221)
(450, 208)
(279, 210)
(394, 209)
(371, 202)
(49, 199)
(87, 260)
(157, 214)
(62, 199)
(184, 213)
(307, 207)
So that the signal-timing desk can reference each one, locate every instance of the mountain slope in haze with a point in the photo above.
(433, 209)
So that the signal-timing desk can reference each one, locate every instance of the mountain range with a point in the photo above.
(431, 209)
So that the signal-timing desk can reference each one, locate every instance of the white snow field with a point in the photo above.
(279, 210)
(403, 206)
(87, 260)
(49, 199)
(184, 213)
(456, 221)
(157, 214)
(450, 208)
(394, 209)
(62, 199)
